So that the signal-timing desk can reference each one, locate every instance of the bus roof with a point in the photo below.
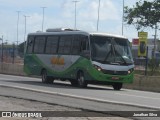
(60, 31)
(107, 34)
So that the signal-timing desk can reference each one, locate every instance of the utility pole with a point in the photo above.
(13, 54)
(18, 25)
(122, 17)
(2, 49)
(17, 30)
(98, 14)
(25, 25)
(25, 18)
(43, 17)
(75, 19)
(155, 37)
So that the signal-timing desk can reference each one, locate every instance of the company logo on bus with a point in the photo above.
(57, 61)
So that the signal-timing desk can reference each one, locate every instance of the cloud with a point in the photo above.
(26, 3)
(61, 13)
(88, 10)
(87, 13)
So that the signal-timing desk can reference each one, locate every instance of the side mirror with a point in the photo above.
(86, 54)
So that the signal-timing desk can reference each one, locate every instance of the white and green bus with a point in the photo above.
(80, 57)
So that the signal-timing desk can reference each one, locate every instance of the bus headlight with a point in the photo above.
(130, 70)
(97, 67)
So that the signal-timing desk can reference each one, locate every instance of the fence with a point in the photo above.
(141, 82)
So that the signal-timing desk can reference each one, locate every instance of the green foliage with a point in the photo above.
(153, 65)
(21, 49)
(143, 14)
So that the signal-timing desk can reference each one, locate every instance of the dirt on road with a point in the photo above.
(17, 104)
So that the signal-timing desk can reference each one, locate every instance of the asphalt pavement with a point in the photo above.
(93, 98)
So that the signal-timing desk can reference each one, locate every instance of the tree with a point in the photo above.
(153, 65)
(21, 49)
(143, 14)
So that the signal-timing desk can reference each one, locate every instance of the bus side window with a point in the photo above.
(76, 45)
(85, 47)
(65, 43)
(39, 44)
(52, 45)
(30, 44)
(84, 43)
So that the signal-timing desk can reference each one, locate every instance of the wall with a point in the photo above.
(146, 83)
(13, 69)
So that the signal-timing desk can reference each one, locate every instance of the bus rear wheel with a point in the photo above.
(45, 78)
(117, 86)
(81, 81)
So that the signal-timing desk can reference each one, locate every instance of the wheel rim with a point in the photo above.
(81, 79)
(43, 76)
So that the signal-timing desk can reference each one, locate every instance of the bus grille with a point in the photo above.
(115, 72)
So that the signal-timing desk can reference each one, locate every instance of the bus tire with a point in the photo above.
(74, 82)
(117, 86)
(45, 78)
(81, 81)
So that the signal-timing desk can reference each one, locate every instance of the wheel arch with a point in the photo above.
(79, 71)
(42, 70)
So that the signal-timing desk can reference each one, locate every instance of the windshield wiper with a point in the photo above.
(113, 51)
(124, 61)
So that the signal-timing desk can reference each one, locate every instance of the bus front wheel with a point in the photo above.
(74, 82)
(45, 78)
(117, 86)
(81, 81)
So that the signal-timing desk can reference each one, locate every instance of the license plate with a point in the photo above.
(115, 78)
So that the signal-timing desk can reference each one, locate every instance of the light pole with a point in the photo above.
(13, 54)
(18, 26)
(17, 30)
(122, 17)
(2, 49)
(25, 26)
(75, 19)
(43, 17)
(98, 14)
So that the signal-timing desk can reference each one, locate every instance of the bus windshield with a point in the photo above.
(111, 50)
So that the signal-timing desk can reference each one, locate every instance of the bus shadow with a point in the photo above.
(65, 85)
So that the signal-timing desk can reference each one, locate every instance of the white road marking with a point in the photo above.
(138, 96)
(5, 79)
(81, 97)
(20, 77)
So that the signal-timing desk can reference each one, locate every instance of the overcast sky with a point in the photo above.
(60, 13)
